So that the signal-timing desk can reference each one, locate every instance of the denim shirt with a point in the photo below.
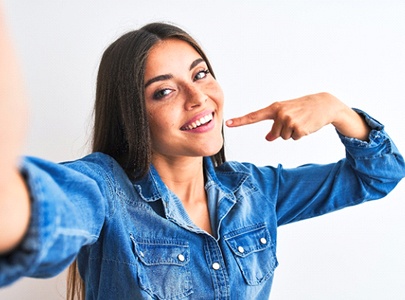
(134, 239)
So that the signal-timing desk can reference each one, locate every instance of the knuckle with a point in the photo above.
(252, 116)
(324, 94)
(289, 121)
(276, 104)
(299, 133)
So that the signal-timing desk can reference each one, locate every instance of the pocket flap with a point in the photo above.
(254, 252)
(249, 240)
(162, 252)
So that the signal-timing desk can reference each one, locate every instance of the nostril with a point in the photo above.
(195, 102)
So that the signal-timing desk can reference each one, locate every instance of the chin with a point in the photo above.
(213, 148)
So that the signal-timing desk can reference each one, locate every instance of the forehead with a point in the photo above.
(169, 54)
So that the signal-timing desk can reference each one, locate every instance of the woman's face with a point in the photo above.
(184, 102)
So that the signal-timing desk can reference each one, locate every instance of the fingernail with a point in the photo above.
(269, 137)
(229, 122)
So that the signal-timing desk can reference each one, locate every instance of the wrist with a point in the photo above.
(351, 124)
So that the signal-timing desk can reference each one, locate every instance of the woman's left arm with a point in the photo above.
(372, 167)
(302, 116)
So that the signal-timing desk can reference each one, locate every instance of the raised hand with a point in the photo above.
(302, 116)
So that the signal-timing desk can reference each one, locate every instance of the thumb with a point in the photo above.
(266, 113)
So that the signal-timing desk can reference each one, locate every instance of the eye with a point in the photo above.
(201, 74)
(161, 93)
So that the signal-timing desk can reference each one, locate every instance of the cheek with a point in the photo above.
(153, 123)
(221, 96)
(160, 121)
(216, 93)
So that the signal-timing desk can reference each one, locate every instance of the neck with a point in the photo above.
(184, 176)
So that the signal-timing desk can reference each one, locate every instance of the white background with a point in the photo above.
(262, 51)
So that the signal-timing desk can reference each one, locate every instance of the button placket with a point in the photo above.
(217, 268)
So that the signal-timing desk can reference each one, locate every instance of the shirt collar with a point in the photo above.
(151, 187)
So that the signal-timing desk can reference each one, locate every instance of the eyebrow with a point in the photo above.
(158, 78)
(170, 76)
(195, 63)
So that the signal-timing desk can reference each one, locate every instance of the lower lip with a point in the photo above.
(203, 128)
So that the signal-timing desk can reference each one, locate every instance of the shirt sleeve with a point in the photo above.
(370, 171)
(68, 208)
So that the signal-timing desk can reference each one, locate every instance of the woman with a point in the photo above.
(156, 212)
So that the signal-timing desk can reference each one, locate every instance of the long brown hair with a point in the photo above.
(121, 127)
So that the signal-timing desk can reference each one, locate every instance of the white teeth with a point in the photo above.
(199, 122)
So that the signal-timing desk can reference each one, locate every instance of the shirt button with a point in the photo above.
(263, 241)
(180, 257)
(216, 266)
(241, 249)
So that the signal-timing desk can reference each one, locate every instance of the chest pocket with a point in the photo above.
(254, 252)
(163, 267)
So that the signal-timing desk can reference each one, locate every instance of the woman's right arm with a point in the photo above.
(48, 211)
(14, 211)
(14, 199)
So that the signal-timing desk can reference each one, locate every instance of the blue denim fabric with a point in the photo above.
(134, 240)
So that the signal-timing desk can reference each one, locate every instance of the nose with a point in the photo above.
(194, 96)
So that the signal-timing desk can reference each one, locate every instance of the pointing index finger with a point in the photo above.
(250, 118)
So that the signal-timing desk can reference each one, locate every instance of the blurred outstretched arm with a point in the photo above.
(14, 198)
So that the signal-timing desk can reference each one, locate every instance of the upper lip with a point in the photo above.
(196, 117)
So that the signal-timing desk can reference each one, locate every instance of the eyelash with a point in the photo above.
(162, 93)
(205, 71)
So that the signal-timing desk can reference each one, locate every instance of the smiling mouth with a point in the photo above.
(197, 123)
